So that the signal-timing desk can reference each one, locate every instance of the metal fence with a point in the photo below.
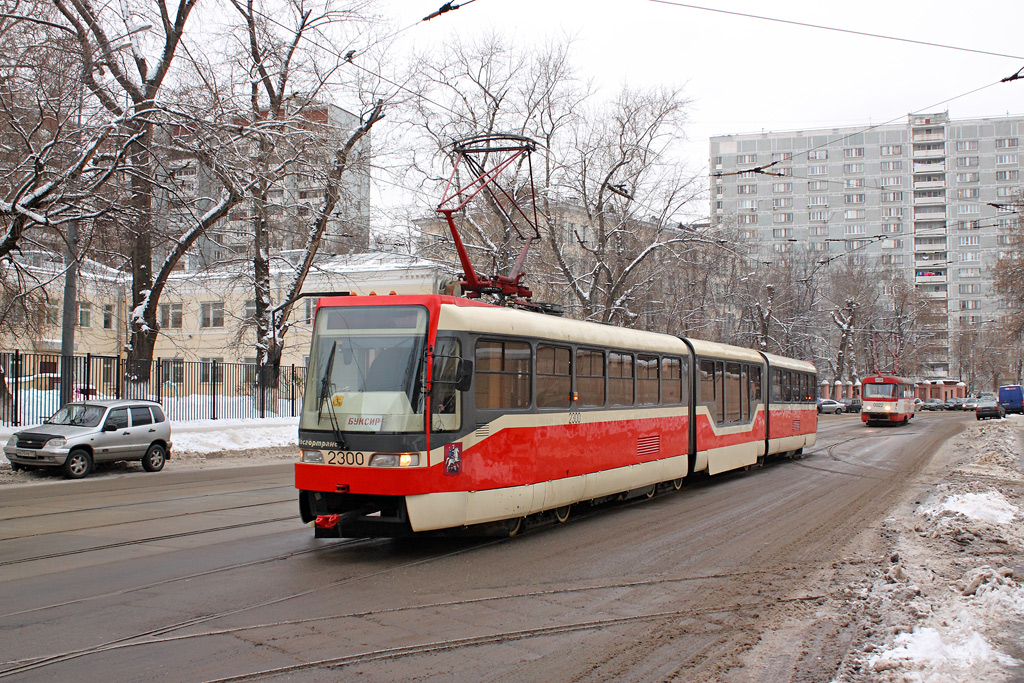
(188, 390)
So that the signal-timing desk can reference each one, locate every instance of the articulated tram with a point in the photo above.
(432, 412)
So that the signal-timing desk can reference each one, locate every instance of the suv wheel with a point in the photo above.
(78, 464)
(154, 459)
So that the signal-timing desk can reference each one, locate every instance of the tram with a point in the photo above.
(886, 399)
(424, 413)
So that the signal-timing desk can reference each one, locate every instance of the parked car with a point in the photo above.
(932, 404)
(955, 403)
(989, 408)
(917, 404)
(851, 405)
(1011, 397)
(81, 434)
(971, 403)
(827, 405)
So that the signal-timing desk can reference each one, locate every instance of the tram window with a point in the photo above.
(707, 384)
(620, 378)
(646, 380)
(776, 386)
(590, 377)
(445, 399)
(755, 384)
(745, 393)
(554, 377)
(502, 375)
(733, 402)
(672, 380)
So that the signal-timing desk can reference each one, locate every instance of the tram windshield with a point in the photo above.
(365, 370)
(879, 390)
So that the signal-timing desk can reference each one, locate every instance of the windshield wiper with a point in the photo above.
(326, 390)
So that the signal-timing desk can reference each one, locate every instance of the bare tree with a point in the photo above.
(293, 128)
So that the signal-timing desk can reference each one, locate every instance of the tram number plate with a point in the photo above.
(575, 418)
(345, 458)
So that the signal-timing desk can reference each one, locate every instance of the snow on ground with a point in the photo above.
(950, 605)
(198, 444)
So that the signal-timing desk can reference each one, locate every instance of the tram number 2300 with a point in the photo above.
(345, 458)
(575, 418)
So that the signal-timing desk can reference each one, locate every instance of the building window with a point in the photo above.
(853, 168)
(818, 215)
(84, 314)
(853, 183)
(974, 288)
(818, 230)
(817, 154)
(746, 189)
(250, 309)
(748, 204)
(968, 177)
(817, 170)
(211, 314)
(170, 316)
(892, 244)
(782, 187)
(892, 197)
(780, 247)
(782, 233)
(893, 228)
(747, 219)
(782, 203)
(854, 199)
(970, 304)
(967, 209)
(970, 240)
(1006, 143)
(966, 145)
(853, 152)
(782, 156)
(746, 159)
(890, 150)
(891, 166)
(892, 259)
(854, 229)
(892, 181)
(206, 369)
(1005, 176)
(854, 214)
(108, 316)
(969, 256)
(966, 162)
(782, 218)
(1003, 159)
(817, 200)
(892, 212)
(968, 193)
(817, 185)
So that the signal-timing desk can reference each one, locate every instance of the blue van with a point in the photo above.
(1012, 398)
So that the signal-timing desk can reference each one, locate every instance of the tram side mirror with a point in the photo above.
(464, 375)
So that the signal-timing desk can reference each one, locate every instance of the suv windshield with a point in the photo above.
(78, 415)
(364, 369)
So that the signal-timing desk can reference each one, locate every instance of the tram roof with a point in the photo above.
(790, 363)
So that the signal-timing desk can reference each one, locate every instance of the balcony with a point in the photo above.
(930, 279)
(929, 154)
(938, 166)
(929, 137)
(925, 201)
(930, 184)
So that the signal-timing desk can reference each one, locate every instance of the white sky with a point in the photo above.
(746, 75)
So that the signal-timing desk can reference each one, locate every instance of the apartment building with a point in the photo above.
(932, 196)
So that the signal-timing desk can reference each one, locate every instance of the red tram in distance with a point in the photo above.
(886, 399)
(430, 412)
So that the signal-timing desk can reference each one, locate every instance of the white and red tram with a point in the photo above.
(887, 399)
(435, 412)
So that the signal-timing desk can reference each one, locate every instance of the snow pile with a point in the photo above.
(208, 436)
(945, 607)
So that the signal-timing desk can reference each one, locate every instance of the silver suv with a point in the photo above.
(80, 434)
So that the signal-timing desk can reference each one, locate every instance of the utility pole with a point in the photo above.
(69, 313)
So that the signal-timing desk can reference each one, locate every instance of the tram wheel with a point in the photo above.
(650, 494)
(677, 483)
(562, 513)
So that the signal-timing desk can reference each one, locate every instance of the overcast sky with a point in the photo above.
(746, 75)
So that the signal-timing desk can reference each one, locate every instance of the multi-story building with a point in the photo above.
(295, 193)
(931, 196)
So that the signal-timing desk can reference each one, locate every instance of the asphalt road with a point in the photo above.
(210, 576)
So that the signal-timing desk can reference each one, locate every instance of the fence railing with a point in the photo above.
(188, 390)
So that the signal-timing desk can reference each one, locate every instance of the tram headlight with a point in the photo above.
(395, 460)
(312, 456)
